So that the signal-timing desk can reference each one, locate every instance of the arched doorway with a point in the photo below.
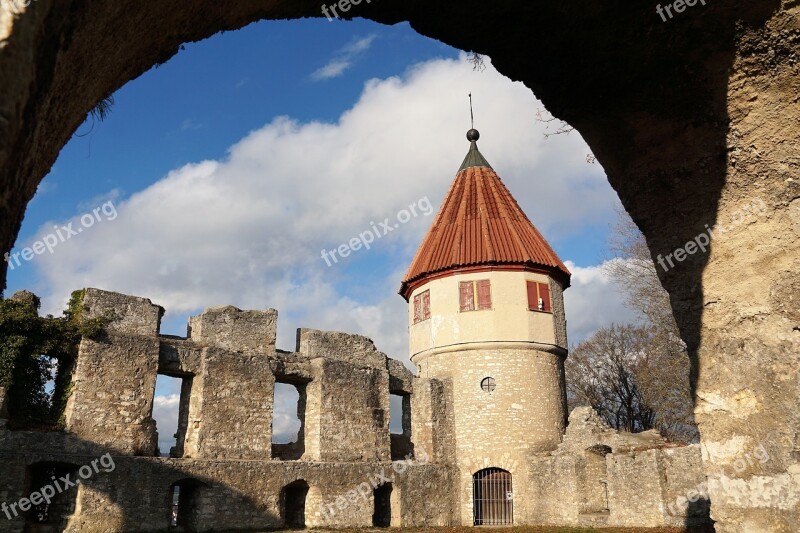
(54, 512)
(293, 504)
(492, 497)
(184, 504)
(594, 478)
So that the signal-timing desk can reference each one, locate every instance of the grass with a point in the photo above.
(520, 529)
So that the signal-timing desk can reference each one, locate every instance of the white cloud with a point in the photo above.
(343, 59)
(592, 302)
(165, 413)
(285, 423)
(248, 229)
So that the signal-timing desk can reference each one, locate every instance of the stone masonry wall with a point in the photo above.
(225, 463)
(559, 313)
(642, 478)
(229, 366)
(115, 376)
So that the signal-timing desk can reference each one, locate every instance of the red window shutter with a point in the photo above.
(426, 305)
(544, 294)
(484, 294)
(466, 295)
(417, 308)
(533, 296)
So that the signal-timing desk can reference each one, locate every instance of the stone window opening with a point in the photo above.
(171, 411)
(400, 426)
(184, 505)
(37, 393)
(594, 479)
(293, 504)
(288, 420)
(55, 514)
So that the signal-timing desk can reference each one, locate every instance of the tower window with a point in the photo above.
(539, 297)
(488, 384)
(475, 295)
(422, 306)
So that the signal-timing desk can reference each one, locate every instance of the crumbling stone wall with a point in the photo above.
(224, 448)
(236, 478)
(640, 476)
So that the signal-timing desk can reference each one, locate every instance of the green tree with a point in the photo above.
(35, 350)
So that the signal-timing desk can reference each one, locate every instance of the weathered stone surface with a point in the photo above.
(131, 315)
(225, 462)
(112, 393)
(354, 349)
(401, 379)
(250, 332)
(602, 477)
(235, 410)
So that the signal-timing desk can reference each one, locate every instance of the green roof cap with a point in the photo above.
(474, 157)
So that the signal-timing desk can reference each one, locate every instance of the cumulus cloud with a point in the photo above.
(248, 229)
(343, 59)
(165, 413)
(592, 302)
(285, 423)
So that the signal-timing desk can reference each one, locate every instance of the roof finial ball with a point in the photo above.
(473, 135)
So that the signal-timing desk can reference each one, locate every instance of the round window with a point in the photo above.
(488, 384)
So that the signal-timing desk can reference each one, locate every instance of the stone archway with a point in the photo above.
(692, 118)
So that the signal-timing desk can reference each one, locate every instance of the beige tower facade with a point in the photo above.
(486, 315)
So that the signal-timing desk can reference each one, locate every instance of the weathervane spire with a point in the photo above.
(471, 113)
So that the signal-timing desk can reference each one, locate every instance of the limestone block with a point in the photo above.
(401, 380)
(132, 315)
(333, 345)
(249, 332)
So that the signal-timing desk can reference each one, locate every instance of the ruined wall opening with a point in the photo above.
(594, 478)
(293, 504)
(400, 426)
(288, 420)
(184, 508)
(382, 512)
(57, 503)
(172, 390)
(493, 498)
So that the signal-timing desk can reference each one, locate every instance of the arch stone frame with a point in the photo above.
(692, 118)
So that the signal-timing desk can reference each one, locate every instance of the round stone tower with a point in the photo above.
(486, 315)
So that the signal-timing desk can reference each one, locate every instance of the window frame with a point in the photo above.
(476, 303)
(547, 302)
(422, 306)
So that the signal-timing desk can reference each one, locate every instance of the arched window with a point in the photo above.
(493, 498)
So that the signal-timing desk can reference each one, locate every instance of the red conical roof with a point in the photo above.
(480, 225)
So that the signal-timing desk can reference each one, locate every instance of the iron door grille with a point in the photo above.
(493, 498)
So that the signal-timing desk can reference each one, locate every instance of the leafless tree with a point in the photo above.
(627, 374)
(477, 61)
(661, 373)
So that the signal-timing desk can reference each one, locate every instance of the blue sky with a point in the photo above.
(235, 163)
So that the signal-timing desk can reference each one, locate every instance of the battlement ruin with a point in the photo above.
(344, 470)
